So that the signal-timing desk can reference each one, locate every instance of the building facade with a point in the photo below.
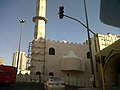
(106, 40)
(67, 61)
(22, 62)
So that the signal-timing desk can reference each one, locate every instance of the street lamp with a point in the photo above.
(90, 50)
(21, 22)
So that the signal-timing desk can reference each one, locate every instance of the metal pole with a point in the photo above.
(90, 50)
(79, 22)
(21, 22)
(101, 68)
(19, 49)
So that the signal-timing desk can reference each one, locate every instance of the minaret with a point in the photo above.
(40, 19)
(38, 44)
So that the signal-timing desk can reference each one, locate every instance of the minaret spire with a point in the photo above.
(40, 19)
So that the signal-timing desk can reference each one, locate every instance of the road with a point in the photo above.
(37, 86)
(22, 86)
(107, 88)
(30, 86)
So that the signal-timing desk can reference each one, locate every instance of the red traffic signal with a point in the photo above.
(61, 12)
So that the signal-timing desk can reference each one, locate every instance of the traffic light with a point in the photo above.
(61, 12)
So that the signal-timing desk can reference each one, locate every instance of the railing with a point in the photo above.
(77, 82)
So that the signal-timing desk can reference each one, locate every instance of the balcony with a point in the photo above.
(72, 62)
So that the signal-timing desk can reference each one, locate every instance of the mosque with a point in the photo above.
(62, 59)
(70, 61)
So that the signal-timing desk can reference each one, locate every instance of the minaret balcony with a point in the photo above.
(40, 18)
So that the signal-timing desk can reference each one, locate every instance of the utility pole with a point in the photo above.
(90, 50)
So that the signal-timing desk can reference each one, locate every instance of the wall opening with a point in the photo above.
(51, 51)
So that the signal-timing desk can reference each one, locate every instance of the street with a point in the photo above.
(29, 86)
(37, 86)
(23, 86)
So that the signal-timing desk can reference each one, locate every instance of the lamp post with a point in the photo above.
(20, 38)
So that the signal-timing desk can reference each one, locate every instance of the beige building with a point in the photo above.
(2, 61)
(22, 62)
(106, 40)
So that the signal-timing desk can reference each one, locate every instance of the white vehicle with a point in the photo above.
(54, 83)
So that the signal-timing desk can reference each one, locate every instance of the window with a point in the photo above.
(51, 51)
(51, 74)
(102, 39)
(88, 55)
(38, 73)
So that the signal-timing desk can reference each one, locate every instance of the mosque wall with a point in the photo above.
(53, 62)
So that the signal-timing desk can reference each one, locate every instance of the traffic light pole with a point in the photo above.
(92, 67)
(79, 22)
(61, 15)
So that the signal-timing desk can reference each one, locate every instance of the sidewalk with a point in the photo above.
(88, 89)
(107, 88)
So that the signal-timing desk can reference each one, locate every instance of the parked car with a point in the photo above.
(54, 83)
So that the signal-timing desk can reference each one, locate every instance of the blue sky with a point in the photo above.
(13, 10)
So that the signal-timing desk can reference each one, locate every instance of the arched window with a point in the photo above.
(51, 74)
(38, 73)
(51, 51)
(88, 55)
